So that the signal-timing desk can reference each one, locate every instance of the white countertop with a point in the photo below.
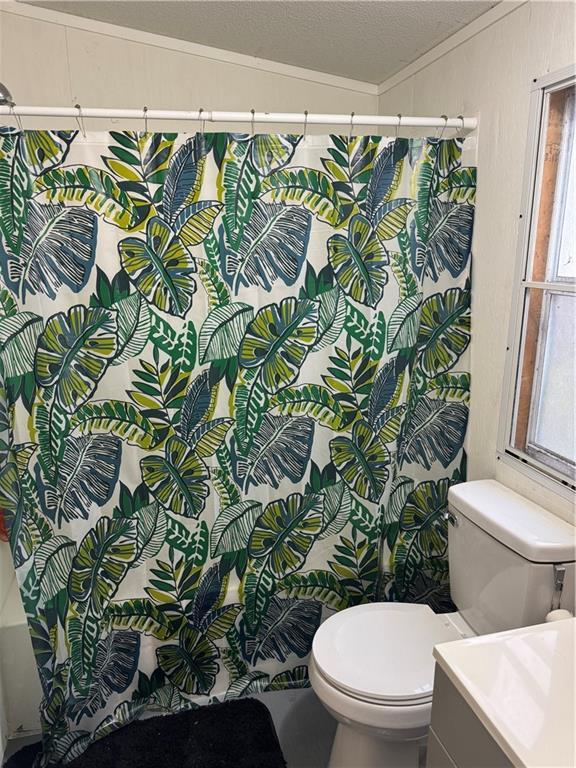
(520, 684)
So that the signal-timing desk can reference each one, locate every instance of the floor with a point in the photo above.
(305, 730)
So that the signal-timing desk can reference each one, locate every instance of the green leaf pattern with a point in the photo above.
(233, 370)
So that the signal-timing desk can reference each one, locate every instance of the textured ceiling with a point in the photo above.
(367, 41)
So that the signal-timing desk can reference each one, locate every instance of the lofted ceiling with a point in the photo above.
(367, 40)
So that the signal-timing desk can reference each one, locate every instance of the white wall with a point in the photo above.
(49, 58)
(490, 74)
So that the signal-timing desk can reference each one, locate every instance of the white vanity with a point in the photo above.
(506, 699)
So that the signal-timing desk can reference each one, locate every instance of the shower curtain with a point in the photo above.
(234, 396)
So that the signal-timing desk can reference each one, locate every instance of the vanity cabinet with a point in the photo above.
(505, 699)
(457, 738)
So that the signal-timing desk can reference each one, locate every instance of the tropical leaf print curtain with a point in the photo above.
(234, 396)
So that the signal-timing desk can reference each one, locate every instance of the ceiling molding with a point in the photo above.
(183, 46)
(484, 21)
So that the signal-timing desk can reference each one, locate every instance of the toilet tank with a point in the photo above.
(505, 555)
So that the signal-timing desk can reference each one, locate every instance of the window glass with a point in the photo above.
(553, 428)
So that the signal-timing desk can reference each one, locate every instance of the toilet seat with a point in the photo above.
(382, 652)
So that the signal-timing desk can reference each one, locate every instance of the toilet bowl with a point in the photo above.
(372, 665)
(372, 668)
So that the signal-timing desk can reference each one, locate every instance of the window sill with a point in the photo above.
(561, 488)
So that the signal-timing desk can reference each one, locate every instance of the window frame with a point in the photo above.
(528, 464)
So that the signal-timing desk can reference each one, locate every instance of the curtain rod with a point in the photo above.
(405, 121)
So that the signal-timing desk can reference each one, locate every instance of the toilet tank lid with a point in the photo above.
(521, 525)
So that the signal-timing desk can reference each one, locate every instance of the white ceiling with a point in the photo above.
(359, 39)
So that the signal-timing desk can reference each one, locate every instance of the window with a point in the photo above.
(540, 413)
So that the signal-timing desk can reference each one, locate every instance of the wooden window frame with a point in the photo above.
(527, 328)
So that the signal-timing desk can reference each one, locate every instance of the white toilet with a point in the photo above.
(511, 562)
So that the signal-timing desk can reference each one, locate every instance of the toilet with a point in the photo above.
(371, 666)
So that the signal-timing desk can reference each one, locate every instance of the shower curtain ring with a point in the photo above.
(305, 122)
(80, 120)
(399, 116)
(253, 113)
(202, 121)
(445, 118)
(145, 115)
(16, 117)
(351, 126)
(461, 117)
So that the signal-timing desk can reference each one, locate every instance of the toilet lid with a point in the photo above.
(382, 651)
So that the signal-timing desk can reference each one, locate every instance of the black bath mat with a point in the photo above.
(236, 734)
